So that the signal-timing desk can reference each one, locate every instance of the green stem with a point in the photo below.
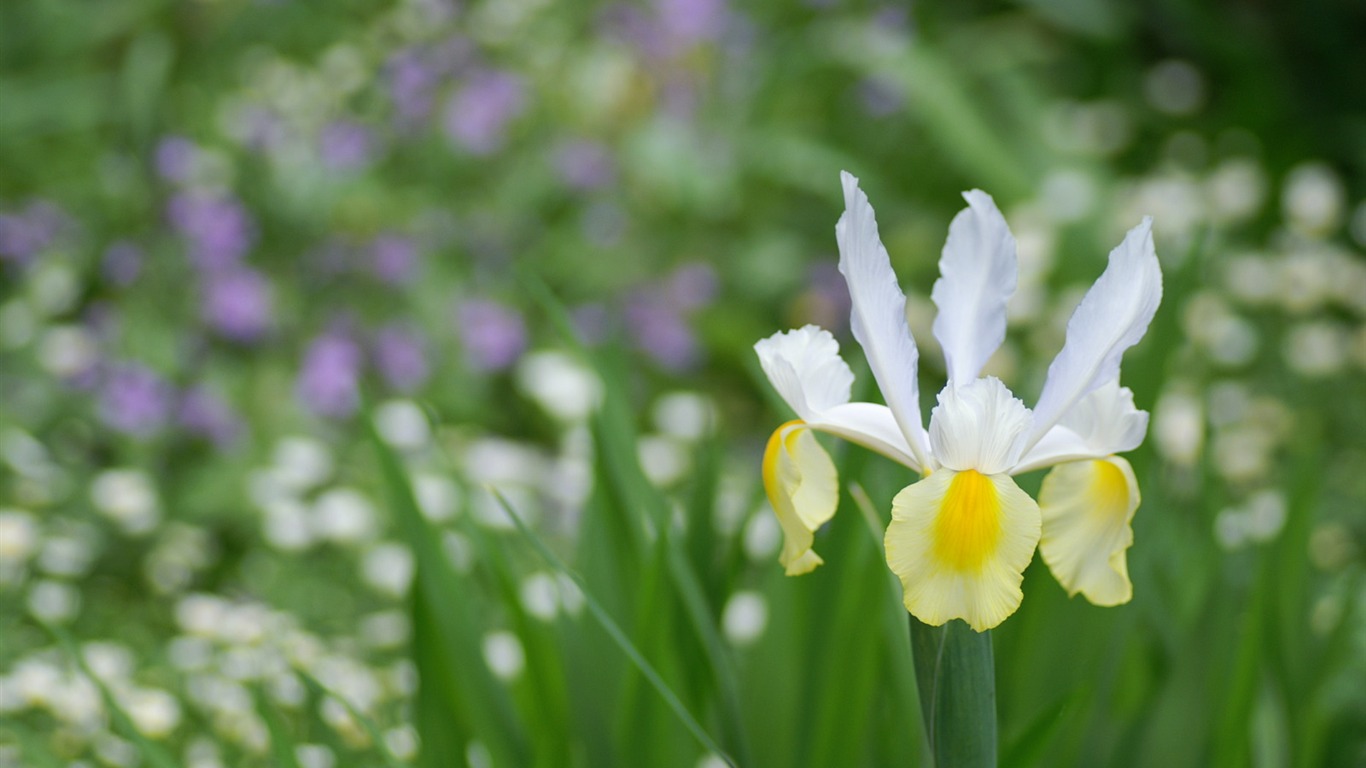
(956, 676)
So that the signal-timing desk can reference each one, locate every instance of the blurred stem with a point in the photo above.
(955, 673)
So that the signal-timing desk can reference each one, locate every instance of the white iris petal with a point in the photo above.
(978, 425)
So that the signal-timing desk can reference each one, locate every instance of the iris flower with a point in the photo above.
(961, 537)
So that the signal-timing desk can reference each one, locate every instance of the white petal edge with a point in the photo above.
(870, 425)
(878, 317)
(978, 273)
(978, 425)
(805, 367)
(1104, 422)
(1113, 316)
(1087, 509)
(803, 487)
(935, 594)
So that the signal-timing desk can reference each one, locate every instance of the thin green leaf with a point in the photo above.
(615, 632)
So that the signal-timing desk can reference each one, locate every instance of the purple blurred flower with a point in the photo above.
(478, 115)
(661, 331)
(395, 258)
(584, 164)
(493, 334)
(826, 301)
(688, 22)
(25, 233)
(329, 378)
(134, 400)
(411, 84)
(175, 157)
(345, 145)
(205, 414)
(691, 286)
(401, 357)
(218, 230)
(237, 303)
(592, 322)
(881, 96)
(122, 263)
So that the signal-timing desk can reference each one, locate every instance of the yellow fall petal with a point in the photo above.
(1087, 509)
(959, 542)
(803, 487)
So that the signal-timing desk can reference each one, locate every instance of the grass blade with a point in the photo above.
(616, 633)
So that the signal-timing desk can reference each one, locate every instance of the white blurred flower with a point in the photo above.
(1175, 87)
(1313, 199)
(65, 556)
(66, 351)
(492, 460)
(344, 515)
(18, 536)
(1251, 279)
(1067, 195)
(154, 712)
(385, 629)
(1236, 189)
(1179, 426)
(664, 459)
(53, 287)
(127, 497)
(684, 415)
(389, 568)
(560, 384)
(744, 618)
(762, 536)
(315, 756)
(54, 601)
(504, 655)
(403, 425)
(437, 496)
(540, 595)
(401, 741)
(1315, 349)
(286, 525)
(301, 462)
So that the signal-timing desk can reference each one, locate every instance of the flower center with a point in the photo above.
(1109, 489)
(969, 522)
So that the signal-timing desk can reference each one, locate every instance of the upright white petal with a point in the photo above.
(878, 318)
(1112, 317)
(977, 277)
(805, 367)
(978, 425)
(1103, 423)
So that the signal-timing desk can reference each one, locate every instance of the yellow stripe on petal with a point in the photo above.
(959, 542)
(803, 487)
(969, 523)
(1087, 509)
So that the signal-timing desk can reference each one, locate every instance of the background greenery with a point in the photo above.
(541, 238)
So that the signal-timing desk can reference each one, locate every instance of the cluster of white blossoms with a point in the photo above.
(961, 537)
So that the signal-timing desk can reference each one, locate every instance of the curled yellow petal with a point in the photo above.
(959, 542)
(1087, 509)
(803, 488)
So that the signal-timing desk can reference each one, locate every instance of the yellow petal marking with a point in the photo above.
(1088, 507)
(969, 523)
(802, 486)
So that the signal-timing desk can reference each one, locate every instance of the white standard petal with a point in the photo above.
(1087, 509)
(1112, 317)
(805, 367)
(878, 318)
(978, 425)
(803, 487)
(1104, 422)
(977, 277)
